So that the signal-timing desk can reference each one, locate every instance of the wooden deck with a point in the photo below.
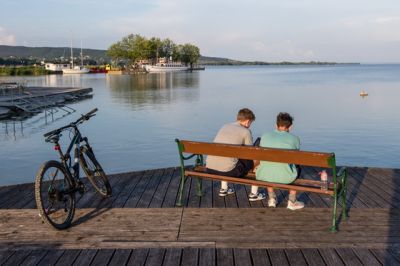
(140, 225)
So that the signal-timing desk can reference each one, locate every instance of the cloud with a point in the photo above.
(386, 20)
(6, 38)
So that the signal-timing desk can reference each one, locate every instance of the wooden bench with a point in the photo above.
(337, 188)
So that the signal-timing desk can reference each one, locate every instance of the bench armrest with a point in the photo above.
(341, 172)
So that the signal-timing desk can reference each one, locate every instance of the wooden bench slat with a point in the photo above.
(299, 181)
(318, 159)
(299, 186)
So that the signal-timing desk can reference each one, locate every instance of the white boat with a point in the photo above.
(54, 67)
(75, 69)
(166, 67)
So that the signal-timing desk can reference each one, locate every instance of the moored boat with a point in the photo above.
(166, 67)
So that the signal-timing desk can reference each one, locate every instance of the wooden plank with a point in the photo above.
(366, 257)
(17, 258)
(378, 186)
(241, 196)
(85, 257)
(278, 257)
(242, 256)
(385, 257)
(295, 257)
(151, 188)
(159, 195)
(51, 257)
(68, 257)
(313, 257)
(207, 257)
(14, 195)
(34, 257)
(5, 254)
(348, 256)
(330, 257)
(259, 153)
(172, 257)
(138, 257)
(138, 191)
(121, 257)
(206, 200)
(103, 257)
(260, 257)
(192, 197)
(155, 256)
(186, 191)
(224, 257)
(121, 199)
(190, 256)
(218, 201)
(171, 196)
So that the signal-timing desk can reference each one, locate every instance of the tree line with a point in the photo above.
(135, 47)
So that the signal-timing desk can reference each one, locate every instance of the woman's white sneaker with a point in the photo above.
(295, 205)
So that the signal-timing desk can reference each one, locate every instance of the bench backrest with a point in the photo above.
(318, 159)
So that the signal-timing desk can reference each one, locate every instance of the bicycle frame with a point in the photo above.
(66, 159)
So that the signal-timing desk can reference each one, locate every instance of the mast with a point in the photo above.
(72, 57)
(81, 55)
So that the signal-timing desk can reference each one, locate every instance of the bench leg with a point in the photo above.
(180, 193)
(199, 187)
(334, 226)
(344, 195)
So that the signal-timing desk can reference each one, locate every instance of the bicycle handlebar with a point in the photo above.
(83, 118)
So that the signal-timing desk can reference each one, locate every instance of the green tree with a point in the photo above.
(153, 49)
(190, 54)
(132, 47)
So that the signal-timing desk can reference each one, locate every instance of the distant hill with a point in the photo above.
(100, 56)
(49, 53)
(55, 53)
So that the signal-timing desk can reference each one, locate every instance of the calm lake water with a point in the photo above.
(140, 116)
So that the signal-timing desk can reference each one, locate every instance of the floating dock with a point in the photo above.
(140, 225)
(17, 100)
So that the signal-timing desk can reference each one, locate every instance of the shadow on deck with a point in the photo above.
(140, 224)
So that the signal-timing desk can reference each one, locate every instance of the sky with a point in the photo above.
(365, 31)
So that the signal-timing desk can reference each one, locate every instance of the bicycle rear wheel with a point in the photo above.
(94, 172)
(54, 197)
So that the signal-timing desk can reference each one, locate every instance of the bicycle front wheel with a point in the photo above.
(94, 172)
(54, 195)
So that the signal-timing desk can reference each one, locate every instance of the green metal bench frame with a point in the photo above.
(338, 187)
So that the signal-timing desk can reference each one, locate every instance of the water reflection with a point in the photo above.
(154, 88)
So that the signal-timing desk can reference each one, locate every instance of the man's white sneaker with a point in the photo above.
(272, 202)
(255, 197)
(226, 192)
(295, 205)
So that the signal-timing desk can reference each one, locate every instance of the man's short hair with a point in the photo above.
(245, 114)
(284, 120)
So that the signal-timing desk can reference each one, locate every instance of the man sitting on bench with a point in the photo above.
(280, 172)
(234, 133)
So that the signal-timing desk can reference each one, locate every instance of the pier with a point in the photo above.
(140, 225)
(18, 100)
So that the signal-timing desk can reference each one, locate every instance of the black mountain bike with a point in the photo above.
(58, 181)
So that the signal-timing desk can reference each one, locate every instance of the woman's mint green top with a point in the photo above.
(278, 172)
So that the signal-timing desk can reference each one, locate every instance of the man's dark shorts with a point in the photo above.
(241, 169)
